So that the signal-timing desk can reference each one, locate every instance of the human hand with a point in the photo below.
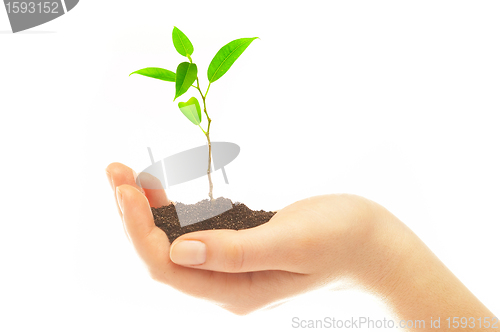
(309, 244)
(306, 245)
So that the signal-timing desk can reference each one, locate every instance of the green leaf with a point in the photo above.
(182, 43)
(226, 56)
(192, 110)
(185, 76)
(159, 73)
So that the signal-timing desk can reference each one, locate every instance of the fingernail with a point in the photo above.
(119, 198)
(188, 253)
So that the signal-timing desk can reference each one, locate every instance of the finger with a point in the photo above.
(119, 174)
(265, 247)
(156, 194)
(152, 245)
(150, 242)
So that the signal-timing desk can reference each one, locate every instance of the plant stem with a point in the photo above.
(207, 134)
(210, 184)
(207, 89)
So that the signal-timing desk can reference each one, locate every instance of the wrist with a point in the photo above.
(365, 243)
(390, 248)
(413, 281)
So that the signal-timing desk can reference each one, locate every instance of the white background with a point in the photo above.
(391, 100)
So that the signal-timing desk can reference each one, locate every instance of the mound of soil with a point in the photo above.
(239, 217)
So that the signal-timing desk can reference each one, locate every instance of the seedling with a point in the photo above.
(187, 73)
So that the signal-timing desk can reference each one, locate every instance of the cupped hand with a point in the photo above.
(309, 244)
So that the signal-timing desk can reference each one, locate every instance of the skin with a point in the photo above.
(313, 243)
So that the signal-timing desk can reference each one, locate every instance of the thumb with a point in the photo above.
(265, 247)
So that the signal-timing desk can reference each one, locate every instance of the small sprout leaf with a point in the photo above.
(159, 73)
(192, 110)
(182, 43)
(226, 56)
(185, 76)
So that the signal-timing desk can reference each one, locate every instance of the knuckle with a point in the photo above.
(301, 253)
(156, 275)
(240, 311)
(234, 257)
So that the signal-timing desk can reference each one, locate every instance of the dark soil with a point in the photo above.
(239, 217)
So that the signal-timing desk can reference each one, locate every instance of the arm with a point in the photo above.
(306, 245)
(421, 287)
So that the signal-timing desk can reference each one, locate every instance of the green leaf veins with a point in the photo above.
(192, 110)
(185, 76)
(158, 73)
(226, 56)
(182, 43)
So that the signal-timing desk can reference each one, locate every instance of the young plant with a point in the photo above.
(187, 73)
